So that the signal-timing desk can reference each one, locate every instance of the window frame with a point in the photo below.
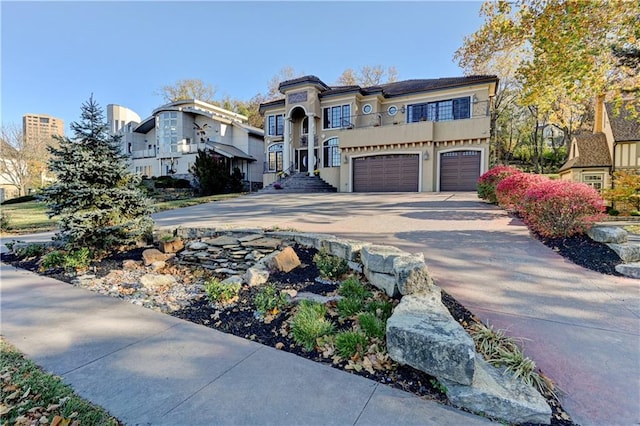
(440, 110)
(275, 125)
(331, 153)
(276, 151)
(594, 183)
(331, 114)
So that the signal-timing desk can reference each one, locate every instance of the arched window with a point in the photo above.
(331, 153)
(305, 126)
(274, 157)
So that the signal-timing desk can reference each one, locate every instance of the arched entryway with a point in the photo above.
(302, 126)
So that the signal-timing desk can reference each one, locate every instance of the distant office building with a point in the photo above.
(41, 126)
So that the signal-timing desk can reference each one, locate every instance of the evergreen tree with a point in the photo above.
(97, 199)
(212, 172)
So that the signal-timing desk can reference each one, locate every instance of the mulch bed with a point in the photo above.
(240, 319)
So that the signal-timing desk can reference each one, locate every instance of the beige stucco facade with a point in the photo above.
(418, 120)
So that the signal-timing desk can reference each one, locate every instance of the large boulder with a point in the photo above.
(346, 249)
(607, 234)
(256, 275)
(423, 334)
(628, 252)
(385, 282)
(153, 255)
(284, 261)
(629, 269)
(498, 394)
(411, 274)
(380, 259)
(157, 280)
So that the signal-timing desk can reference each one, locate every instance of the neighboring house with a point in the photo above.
(552, 136)
(613, 145)
(407, 136)
(8, 189)
(167, 142)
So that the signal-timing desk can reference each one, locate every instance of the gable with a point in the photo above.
(588, 150)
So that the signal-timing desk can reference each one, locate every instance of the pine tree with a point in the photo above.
(97, 199)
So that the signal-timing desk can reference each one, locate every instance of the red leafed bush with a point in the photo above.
(510, 191)
(561, 208)
(489, 180)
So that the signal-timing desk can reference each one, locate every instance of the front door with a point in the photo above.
(302, 162)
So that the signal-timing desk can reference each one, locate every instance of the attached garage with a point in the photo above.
(459, 170)
(386, 173)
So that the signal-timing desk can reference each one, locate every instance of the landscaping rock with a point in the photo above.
(628, 252)
(172, 246)
(380, 259)
(284, 261)
(608, 234)
(221, 241)
(411, 274)
(198, 245)
(250, 237)
(631, 270)
(130, 264)
(152, 255)
(315, 298)
(256, 275)
(234, 279)
(271, 243)
(385, 282)
(158, 264)
(423, 334)
(152, 281)
(499, 395)
(312, 240)
(346, 249)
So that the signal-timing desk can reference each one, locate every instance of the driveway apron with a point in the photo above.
(582, 328)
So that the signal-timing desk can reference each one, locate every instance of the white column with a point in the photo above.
(286, 146)
(311, 156)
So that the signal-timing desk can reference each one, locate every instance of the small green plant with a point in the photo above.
(53, 259)
(353, 288)
(78, 259)
(349, 343)
(5, 220)
(219, 292)
(309, 323)
(490, 342)
(31, 250)
(270, 300)
(438, 385)
(349, 306)
(331, 267)
(372, 325)
(380, 308)
(10, 245)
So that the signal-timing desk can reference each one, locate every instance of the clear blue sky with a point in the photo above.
(55, 54)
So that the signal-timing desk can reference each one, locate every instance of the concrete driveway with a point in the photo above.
(582, 328)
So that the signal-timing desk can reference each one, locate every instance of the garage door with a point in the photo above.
(386, 173)
(459, 170)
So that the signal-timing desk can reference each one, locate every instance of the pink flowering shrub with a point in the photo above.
(489, 180)
(510, 191)
(559, 208)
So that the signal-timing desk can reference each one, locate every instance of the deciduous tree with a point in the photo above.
(368, 75)
(191, 88)
(22, 160)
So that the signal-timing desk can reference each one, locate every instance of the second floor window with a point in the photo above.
(167, 131)
(276, 125)
(450, 109)
(336, 117)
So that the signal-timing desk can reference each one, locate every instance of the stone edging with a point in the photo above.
(421, 332)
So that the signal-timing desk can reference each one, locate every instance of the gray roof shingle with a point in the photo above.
(624, 126)
(593, 151)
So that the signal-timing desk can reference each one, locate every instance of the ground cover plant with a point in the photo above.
(352, 340)
(31, 396)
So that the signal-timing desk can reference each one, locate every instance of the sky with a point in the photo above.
(55, 55)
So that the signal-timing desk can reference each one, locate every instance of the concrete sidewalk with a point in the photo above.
(146, 367)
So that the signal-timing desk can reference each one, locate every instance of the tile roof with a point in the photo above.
(624, 126)
(593, 151)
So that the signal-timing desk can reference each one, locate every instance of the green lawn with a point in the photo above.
(30, 217)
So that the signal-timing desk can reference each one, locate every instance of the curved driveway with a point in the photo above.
(582, 328)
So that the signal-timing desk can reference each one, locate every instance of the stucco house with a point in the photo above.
(613, 145)
(167, 142)
(407, 136)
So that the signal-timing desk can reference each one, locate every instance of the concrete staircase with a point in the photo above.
(299, 183)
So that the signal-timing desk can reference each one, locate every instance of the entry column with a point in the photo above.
(311, 156)
(286, 146)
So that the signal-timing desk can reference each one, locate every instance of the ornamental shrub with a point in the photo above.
(625, 194)
(488, 181)
(561, 208)
(511, 190)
